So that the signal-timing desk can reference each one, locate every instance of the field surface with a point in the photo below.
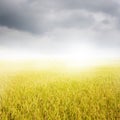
(30, 94)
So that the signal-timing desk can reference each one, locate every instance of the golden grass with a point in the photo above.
(54, 95)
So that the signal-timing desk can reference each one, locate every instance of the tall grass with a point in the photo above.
(52, 95)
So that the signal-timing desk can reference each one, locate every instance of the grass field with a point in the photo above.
(56, 95)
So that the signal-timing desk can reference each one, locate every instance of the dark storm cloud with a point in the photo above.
(20, 15)
(36, 15)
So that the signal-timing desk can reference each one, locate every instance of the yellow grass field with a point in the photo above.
(53, 94)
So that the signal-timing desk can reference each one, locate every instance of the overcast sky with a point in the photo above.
(60, 27)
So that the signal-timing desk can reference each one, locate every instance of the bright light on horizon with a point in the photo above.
(75, 56)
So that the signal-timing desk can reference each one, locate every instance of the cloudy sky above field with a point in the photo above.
(60, 27)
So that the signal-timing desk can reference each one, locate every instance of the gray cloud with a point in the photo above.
(36, 15)
(110, 7)
(20, 15)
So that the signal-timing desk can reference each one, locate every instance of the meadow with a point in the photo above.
(55, 94)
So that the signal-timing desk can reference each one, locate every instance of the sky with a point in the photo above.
(74, 29)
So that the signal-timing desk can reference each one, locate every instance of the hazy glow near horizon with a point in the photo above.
(83, 55)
